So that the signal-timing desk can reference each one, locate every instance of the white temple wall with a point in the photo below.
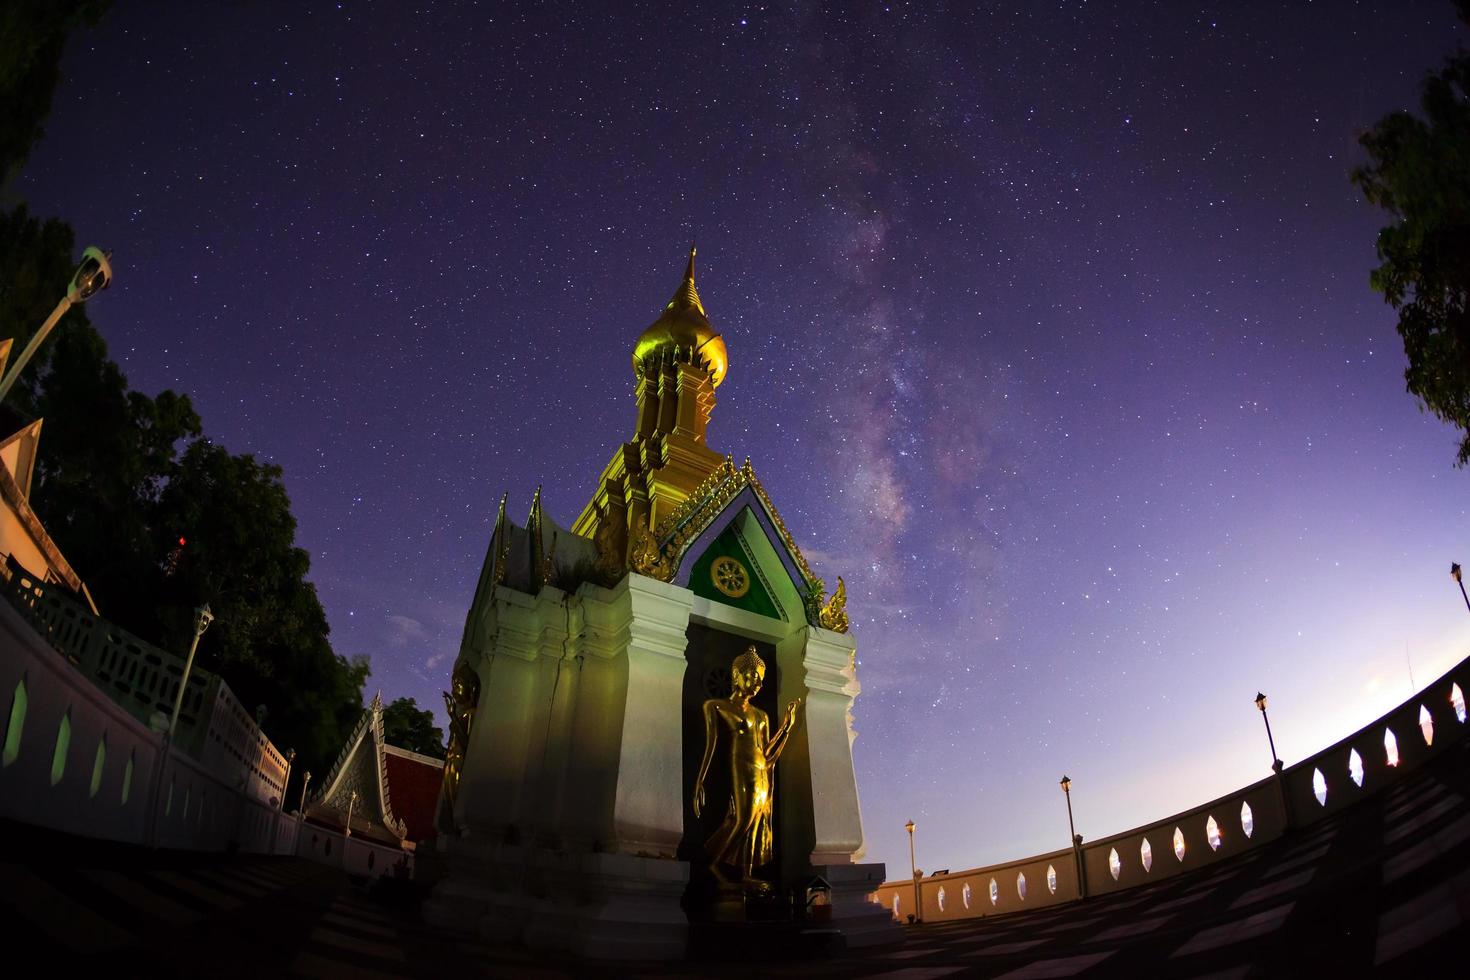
(206, 811)
(560, 667)
(597, 720)
(492, 783)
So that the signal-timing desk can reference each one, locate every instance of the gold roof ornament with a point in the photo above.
(684, 331)
(644, 557)
(833, 615)
(676, 532)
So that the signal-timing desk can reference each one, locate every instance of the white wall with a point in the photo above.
(355, 855)
(195, 808)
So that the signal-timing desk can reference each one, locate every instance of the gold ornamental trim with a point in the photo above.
(699, 510)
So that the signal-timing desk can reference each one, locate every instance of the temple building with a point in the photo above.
(23, 540)
(589, 660)
(376, 806)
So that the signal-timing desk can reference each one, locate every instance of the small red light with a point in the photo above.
(182, 542)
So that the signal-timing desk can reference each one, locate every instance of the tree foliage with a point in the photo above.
(1419, 172)
(33, 34)
(408, 726)
(121, 477)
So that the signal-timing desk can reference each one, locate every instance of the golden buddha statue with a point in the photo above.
(460, 706)
(743, 839)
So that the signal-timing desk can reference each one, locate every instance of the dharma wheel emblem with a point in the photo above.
(730, 577)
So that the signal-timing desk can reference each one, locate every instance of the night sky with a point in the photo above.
(1049, 330)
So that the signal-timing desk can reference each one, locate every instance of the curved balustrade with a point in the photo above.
(1365, 762)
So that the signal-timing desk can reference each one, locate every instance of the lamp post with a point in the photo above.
(92, 275)
(1261, 701)
(913, 870)
(1277, 766)
(1066, 785)
(1455, 574)
(351, 802)
(202, 618)
(290, 758)
(305, 782)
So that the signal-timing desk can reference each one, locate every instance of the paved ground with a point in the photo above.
(1383, 885)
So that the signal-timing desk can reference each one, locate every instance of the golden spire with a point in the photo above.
(686, 297)
(685, 330)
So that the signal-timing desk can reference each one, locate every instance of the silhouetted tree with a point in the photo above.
(408, 726)
(33, 35)
(1419, 172)
(121, 477)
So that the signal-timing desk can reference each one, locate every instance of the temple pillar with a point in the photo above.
(832, 683)
(648, 813)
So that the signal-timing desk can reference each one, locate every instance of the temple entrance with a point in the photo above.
(709, 654)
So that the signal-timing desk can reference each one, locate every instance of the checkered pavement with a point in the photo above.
(1383, 886)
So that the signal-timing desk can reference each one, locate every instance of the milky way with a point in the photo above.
(1049, 331)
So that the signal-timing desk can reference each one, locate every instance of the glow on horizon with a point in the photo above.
(1310, 719)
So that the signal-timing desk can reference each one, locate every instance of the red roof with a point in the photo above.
(413, 789)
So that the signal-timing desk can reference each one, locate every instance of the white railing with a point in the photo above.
(1371, 759)
(76, 758)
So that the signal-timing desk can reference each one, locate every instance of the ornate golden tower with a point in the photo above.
(678, 362)
(584, 674)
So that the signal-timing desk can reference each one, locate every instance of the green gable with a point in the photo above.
(756, 598)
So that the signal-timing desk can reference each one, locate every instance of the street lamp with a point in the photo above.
(1067, 789)
(93, 274)
(351, 802)
(202, 618)
(1261, 703)
(913, 869)
(1066, 785)
(305, 782)
(1455, 574)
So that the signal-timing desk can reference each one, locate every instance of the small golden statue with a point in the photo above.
(743, 840)
(461, 709)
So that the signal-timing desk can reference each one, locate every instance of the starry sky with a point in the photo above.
(1049, 330)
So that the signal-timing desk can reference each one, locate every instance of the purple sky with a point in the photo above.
(1049, 330)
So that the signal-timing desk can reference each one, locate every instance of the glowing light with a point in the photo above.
(994, 892)
(1051, 879)
(1179, 843)
(1212, 833)
(1319, 786)
(1114, 864)
(1426, 725)
(941, 898)
(1391, 746)
(1247, 819)
(1457, 699)
(1146, 852)
(1355, 767)
(1021, 885)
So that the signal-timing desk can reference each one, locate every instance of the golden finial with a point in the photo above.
(684, 330)
(686, 297)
